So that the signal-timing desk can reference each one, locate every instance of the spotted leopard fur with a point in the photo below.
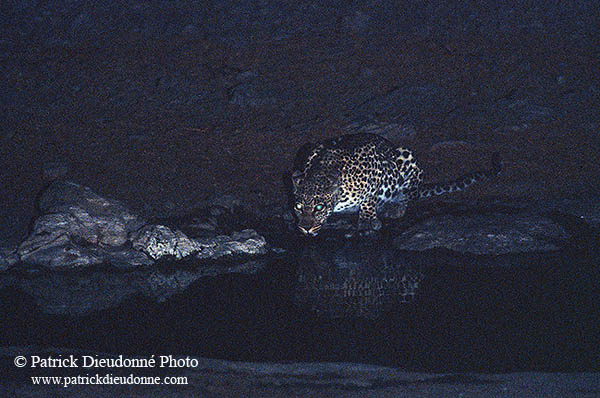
(364, 173)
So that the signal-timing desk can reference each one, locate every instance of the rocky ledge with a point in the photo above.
(86, 252)
(113, 254)
(489, 233)
(79, 228)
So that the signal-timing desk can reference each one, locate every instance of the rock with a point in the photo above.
(366, 73)
(83, 25)
(584, 207)
(54, 170)
(454, 146)
(111, 220)
(246, 242)
(190, 29)
(8, 257)
(79, 225)
(413, 105)
(247, 91)
(342, 222)
(173, 89)
(218, 203)
(246, 76)
(63, 253)
(356, 22)
(250, 95)
(80, 228)
(158, 241)
(493, 233)
(390, 131)
(207, 227)
(516, 112)
(288, 216)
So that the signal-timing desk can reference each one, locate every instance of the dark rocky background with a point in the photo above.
(164, 104)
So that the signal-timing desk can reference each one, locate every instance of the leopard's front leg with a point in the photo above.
(367, 216)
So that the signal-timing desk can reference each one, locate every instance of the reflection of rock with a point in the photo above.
(355, 280)
(493, 233)
(81, 293)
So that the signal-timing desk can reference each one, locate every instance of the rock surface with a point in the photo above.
(585, 208)
(96, 219)
(247, 242)
(390, 131)
(158, 241)
(79, 228)
(8, 257)
(62, 253)
(493, 233)
(408, 104)
(248, 92)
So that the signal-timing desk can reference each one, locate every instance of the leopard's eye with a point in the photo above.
(299, 206)
(319, 207)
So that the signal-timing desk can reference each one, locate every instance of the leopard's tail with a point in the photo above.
(460, 184)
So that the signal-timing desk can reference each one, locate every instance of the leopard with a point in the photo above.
(367, 174)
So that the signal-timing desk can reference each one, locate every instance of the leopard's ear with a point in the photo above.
(297, 178)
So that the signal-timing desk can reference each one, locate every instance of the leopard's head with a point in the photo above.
(314, 201)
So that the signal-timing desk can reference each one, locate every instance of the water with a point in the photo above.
(359, 301)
